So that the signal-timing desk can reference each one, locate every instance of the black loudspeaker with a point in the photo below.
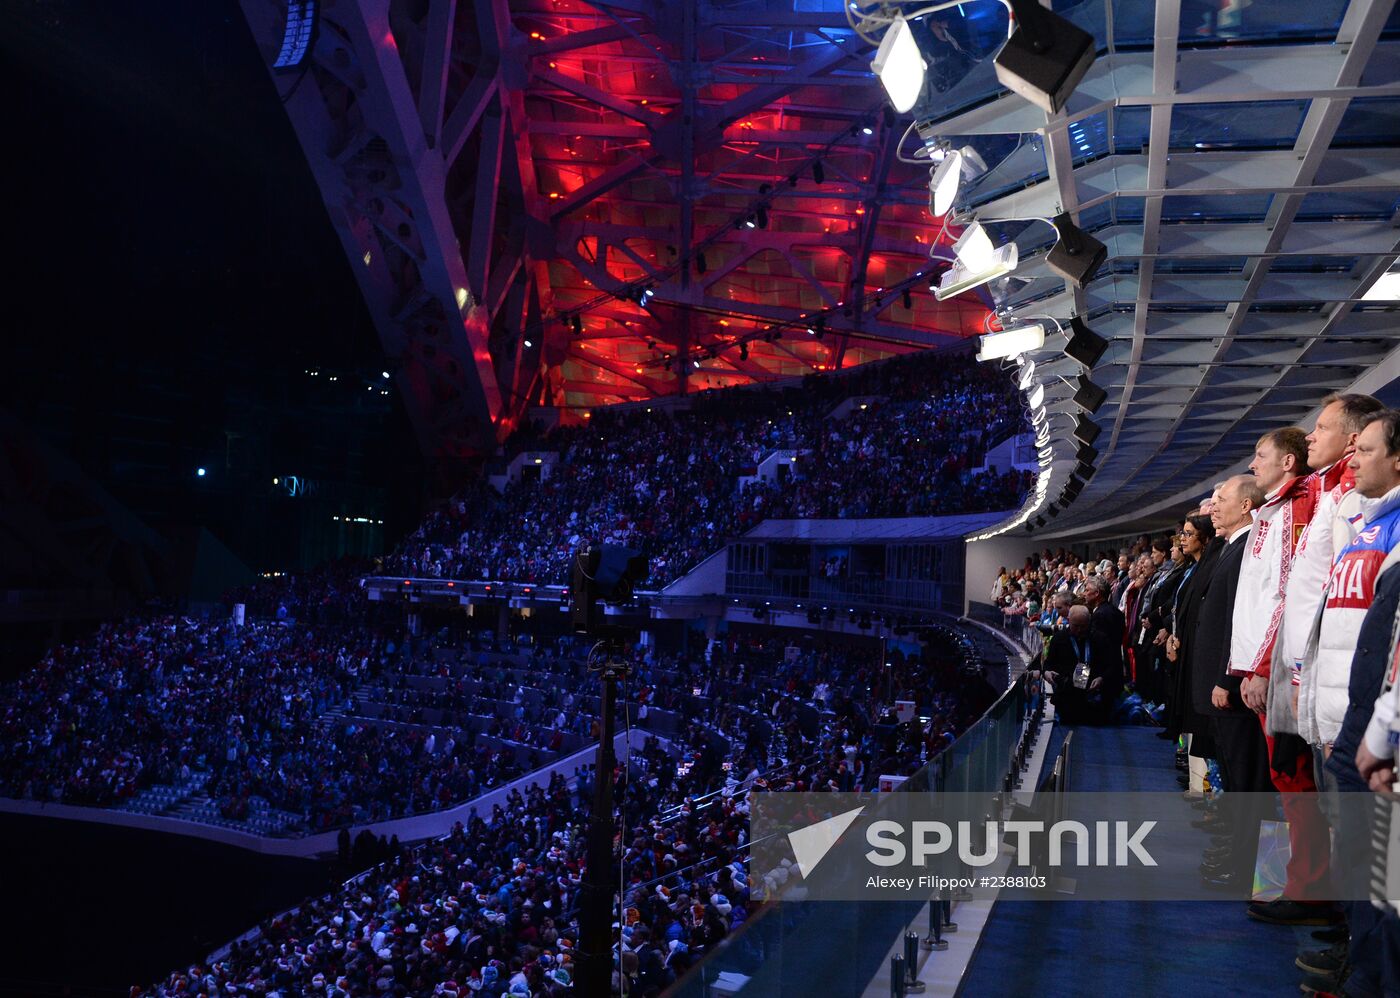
(1076, 255)
(1085, 345)
(1084, 470)
(1085, 431)
(1086, 453)
(1045, 57)
(1089, 396)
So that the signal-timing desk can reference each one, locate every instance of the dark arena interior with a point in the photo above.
(701, 498)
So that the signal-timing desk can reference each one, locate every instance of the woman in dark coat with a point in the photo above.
(1202, 547)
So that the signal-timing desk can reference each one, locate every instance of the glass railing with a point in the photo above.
(837, 948)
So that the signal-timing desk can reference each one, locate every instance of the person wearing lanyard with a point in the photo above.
(1069, 662)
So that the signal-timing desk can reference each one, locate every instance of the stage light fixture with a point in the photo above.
(1076, 255)
(1026, 377)
(750, 223)
(978, 262)
(1045, 57)
(900, 66)
(700, 266)
(1085, 345)
(1089, 396)
(762, 217)
(818, 172)
(577, 322)
(1011, 342)
(944, 180)
(743, 351)
(1085, 430)
(1035, 398)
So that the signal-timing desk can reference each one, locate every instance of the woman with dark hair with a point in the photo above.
(1201, 547)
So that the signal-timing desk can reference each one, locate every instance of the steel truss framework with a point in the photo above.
(496, 170)
(1248, 201)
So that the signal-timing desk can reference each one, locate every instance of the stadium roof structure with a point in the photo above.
(576, 203)
(581, 202)
(1240, 162)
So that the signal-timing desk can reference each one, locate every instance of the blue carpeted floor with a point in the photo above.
(1046, 948)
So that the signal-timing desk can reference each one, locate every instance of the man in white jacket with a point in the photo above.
(1347, 643)
(1293, 690)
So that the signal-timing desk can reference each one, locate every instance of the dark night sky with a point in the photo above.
(171, 259)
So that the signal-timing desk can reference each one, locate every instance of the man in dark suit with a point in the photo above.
(1087, 693)
(1240, 746)
(1107, 627)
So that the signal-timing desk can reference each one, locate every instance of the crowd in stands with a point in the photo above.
(492, 908)
(1266, 624)
(670, 485)
(145, 701)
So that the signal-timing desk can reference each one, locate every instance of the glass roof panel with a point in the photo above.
(1088, 138)
(1133, 23)
(1242, 125)
(1213, 22)
(1350, 205)
(1314, 264)
(1200, 264)
(1130, 128)
(1369, 121)
(1216, 208)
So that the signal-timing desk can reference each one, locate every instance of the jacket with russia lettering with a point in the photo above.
(1326, 673)
(1268, 556)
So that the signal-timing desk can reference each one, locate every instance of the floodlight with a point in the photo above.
(1011, 342)
(1026, 376)
(900, 66)
(978, 262)
(944, 180)
(1036, 397)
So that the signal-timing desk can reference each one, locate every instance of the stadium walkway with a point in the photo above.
(1123, 948)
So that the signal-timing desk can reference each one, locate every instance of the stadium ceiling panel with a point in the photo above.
(576, 203)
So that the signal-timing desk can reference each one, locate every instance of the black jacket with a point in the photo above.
(1210, 646)
(1181, 717)
(1061, 658)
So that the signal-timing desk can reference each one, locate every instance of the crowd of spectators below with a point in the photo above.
(1266, 624)
(146, 701)
(492, 908)
(670, 485)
